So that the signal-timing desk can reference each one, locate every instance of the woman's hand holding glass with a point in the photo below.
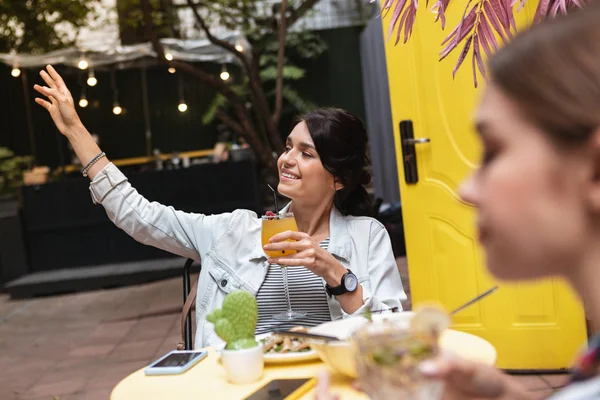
(468, 380)
(308, 253)
(463, 380)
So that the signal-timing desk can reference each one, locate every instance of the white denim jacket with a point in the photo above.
(230, 248)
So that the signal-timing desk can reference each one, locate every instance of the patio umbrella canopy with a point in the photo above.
(191, 50)
(99, 44)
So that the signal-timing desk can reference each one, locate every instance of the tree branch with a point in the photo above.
(253, 77)
(264, 154)
(214, 40)
(254, 143)
(230, 122)
(298, 12)
(201, 75)
(280, 57)
(252, 70)
(262, 106)
(246, 125)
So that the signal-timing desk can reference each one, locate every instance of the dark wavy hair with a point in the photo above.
(342, 143)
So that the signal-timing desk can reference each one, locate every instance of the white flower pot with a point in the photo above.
(243, 366)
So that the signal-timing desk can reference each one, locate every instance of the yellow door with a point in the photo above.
(532, 326)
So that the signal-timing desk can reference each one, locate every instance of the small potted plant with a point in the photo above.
(235, 323)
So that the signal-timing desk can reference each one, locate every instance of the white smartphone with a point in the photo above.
(176, 362)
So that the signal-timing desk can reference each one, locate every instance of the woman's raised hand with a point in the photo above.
(59, 101)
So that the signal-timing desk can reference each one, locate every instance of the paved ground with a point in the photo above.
(80, 346)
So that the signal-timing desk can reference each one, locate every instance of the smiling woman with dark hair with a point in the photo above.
(343, 263)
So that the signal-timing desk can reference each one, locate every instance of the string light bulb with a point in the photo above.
(182, 106)
(15, 72)
(239, 47)
(224, 73)
(83, 101)
(91, 80)
(169, 57)
(117, 109)
(172, 70)
(82, 64)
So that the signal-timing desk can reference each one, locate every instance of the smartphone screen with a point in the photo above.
(277, 389)
(178, 359)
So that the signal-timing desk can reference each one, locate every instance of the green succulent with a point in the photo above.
(235, 322)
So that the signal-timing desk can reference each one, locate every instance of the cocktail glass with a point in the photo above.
(388, 358)
(271, 226)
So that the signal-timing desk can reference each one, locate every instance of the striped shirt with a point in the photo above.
(307, 294)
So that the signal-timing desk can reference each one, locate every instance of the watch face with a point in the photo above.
(351, 282)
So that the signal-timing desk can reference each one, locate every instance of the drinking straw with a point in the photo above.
(274, 197)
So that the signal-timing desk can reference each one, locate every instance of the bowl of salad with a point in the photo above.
(341, 355)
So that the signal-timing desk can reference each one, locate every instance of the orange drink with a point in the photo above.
(272, 225)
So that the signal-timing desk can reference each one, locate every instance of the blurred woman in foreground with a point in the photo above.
(537, 191)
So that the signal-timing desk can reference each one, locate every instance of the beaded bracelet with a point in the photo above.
(89, 165)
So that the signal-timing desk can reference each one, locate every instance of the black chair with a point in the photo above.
(187, 337)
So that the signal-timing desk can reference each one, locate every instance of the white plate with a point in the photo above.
(284, 358)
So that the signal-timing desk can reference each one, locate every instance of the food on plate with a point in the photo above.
(279, 344)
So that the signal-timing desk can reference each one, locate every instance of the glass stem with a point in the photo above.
(284, 271)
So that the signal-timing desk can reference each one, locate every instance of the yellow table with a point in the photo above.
(207, 380)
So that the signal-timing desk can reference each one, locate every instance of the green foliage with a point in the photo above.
(302, 44)
(221, 102)
(298, 104)
(290, 72)
(11, 171)
(235, 322)
(131, 20)
(218, 102)
(30, 25)
(298, 45)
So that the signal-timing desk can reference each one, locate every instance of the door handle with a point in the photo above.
(409, 155)
(416, 141)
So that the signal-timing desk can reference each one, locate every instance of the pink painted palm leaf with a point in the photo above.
(462, 56)
(394, 21)
(439, 8)
(479, 27)
(403, 18)
(552, 8)
(459, 33)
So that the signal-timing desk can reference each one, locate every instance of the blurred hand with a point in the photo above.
(60, 105)
(467, 380)
(221, 152)
(322, 390)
